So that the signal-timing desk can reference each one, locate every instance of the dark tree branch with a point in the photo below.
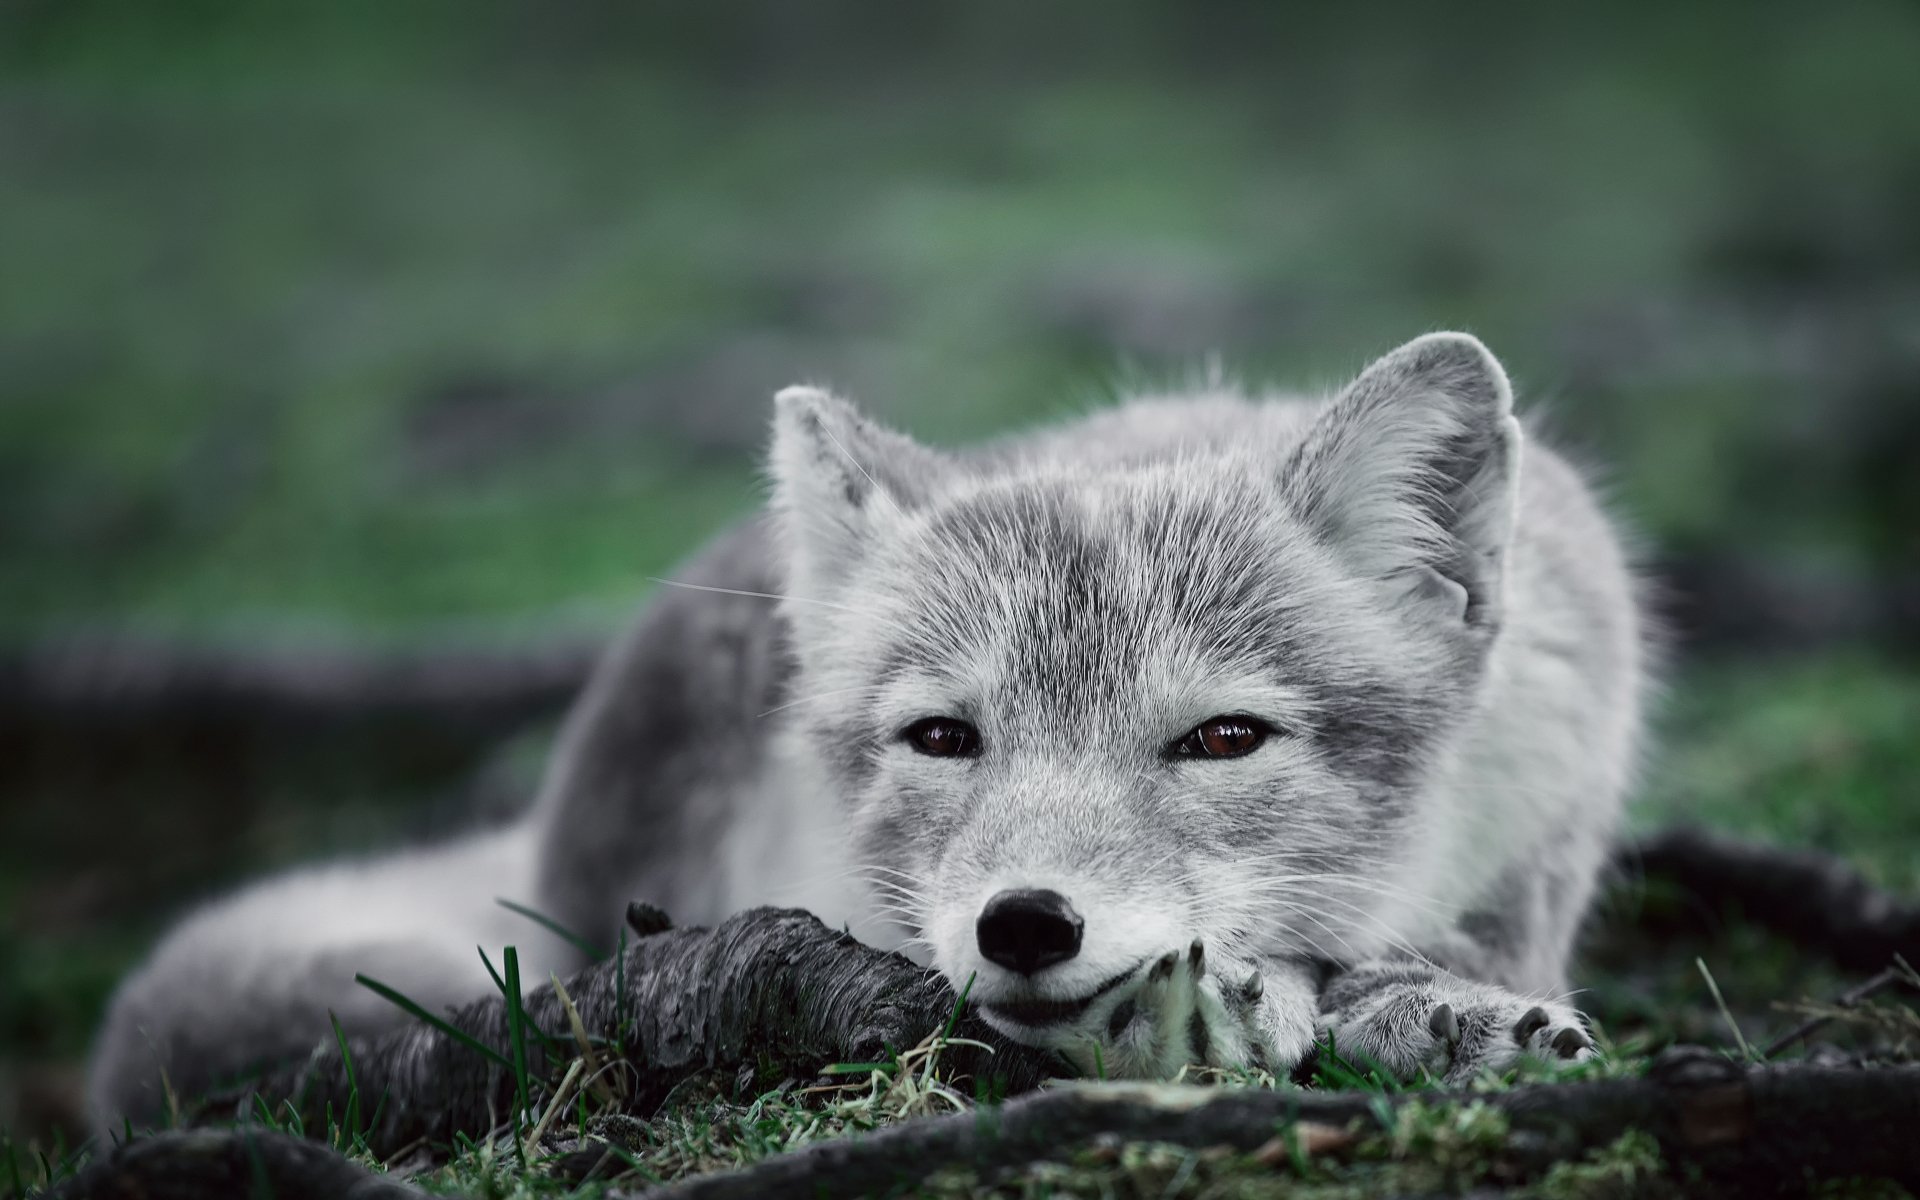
(1759, 1131)
(1901, 973)
(95, 685)
(1816, 900)
(770, 988)
(198, 1164)
(1741, 1131)
(774, 989)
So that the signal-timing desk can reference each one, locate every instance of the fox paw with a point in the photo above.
(1184, 1010)
(1454, 1030)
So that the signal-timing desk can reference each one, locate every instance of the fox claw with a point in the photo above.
(1178, 1014)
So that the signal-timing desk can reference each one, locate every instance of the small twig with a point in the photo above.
(1907, 972)
(594, 1083)
(561, 1095)
(1900, 973)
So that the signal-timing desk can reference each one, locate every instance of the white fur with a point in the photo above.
(1433, 614)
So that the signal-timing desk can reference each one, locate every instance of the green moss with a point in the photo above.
(1628, 1168)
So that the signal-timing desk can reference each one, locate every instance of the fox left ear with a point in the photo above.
(1412, 474)
(837, 477)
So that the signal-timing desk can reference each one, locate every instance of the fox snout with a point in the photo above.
(1028, 929)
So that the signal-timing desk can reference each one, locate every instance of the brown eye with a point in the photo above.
(943, 737)
(1222, 737)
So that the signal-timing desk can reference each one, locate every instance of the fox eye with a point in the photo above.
(1222, 737)
(942, 737)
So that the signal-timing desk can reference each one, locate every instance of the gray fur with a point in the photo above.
(659, 755)
(1437, 621)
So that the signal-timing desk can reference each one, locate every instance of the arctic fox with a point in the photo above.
(1187, 732)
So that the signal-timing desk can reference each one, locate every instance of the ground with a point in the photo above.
(323, 322)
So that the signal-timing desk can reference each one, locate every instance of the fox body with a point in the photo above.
(1185, 732)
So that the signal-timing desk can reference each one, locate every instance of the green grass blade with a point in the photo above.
(351, 1117)
(495, 975)
(550, 1040)
(516, 1027)
(373, 1122)
(552, 926)
(953, 1018)
(408, 1005)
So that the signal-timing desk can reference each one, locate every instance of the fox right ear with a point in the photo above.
(1413, 471)
(837, 477)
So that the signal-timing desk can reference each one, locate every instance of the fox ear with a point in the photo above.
(1411, 475)
(836, 478)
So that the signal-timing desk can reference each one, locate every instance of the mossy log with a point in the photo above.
(771, 992)
(1729, 1129)
(1758, 1131)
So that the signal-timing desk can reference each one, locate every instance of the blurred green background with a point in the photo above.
(373, 327)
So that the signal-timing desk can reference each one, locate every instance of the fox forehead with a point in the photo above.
(1095, 558)
(1193, 593)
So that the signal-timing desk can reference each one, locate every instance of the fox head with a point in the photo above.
(1087, 702)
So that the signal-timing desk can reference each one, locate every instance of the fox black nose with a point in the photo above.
(1028, 929)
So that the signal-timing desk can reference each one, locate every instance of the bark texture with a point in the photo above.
(95, 685)
(772, 990)
(1764, 1131)
(1728, 1129)
(775, 991)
